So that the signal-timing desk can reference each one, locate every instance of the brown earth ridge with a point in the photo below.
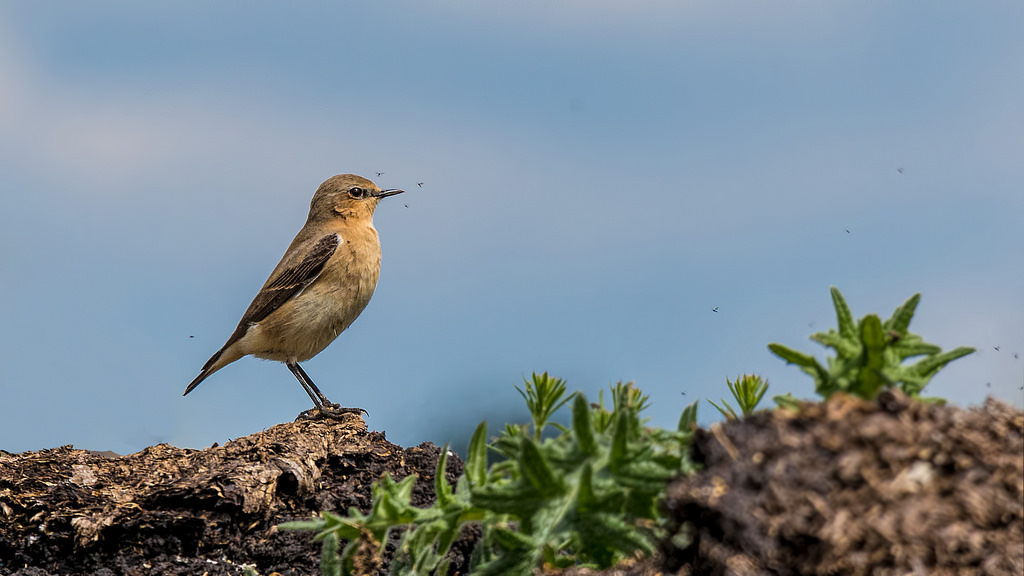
(169, 511)
(841, 487)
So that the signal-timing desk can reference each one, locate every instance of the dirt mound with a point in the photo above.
(843, 487)
(854, 487)
(168, 510)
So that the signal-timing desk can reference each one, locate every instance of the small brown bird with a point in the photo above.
(322, 283)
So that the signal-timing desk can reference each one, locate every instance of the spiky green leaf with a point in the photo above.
(792, 356)
(476, 456)
(442, 488)
(874, 343)
(537, 471)
(900, 320)
(931, 365)
(727, 412)
(582, 427)
(330, 562)
(844, 318)
(688, 419)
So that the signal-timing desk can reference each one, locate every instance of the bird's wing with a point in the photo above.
(289, 283)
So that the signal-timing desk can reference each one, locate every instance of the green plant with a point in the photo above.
(786, 401)
(423, 549)
(748, 391)
(543, 396)
(870, 354)
(588, 495)
(688, 419)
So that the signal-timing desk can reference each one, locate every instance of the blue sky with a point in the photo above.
(597, 177)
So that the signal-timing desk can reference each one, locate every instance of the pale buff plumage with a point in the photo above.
(323, 282)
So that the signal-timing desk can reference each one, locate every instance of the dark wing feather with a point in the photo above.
(287, 284)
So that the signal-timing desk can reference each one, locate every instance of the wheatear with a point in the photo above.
(324, 280)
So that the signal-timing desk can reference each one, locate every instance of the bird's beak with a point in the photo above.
(390, 192)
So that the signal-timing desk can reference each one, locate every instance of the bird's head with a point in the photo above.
(347, 196)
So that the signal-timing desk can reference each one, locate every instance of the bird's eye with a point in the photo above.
(357, 192)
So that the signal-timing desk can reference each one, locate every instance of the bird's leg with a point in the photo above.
(315, 394)
(323, 405)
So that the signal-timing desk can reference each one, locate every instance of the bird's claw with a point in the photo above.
(332, 411)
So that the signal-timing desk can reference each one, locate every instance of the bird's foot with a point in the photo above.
(331, 411)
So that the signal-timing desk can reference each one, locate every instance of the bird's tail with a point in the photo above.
(216, 362)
